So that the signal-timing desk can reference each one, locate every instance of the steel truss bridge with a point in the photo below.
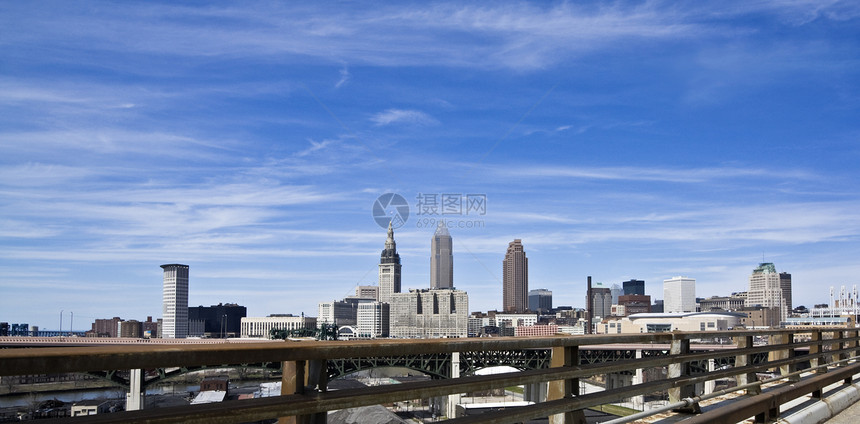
(439, 365)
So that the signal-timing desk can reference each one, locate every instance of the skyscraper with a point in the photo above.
(766, 289)
(174, 304)
(679, 294)
(601, 301)
(515, 276)
(785, 285)
(389, 268)
(634, 287)
(441, 259)
(540, 300)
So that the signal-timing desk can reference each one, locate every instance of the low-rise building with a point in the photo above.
(723, 303)
(261, 326)
(663, 322)
(536, 330)
(89, 407)
(634, 304)
(516, 320)
(806, 322)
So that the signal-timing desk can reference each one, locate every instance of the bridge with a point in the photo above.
(435, 365)
(829, 356)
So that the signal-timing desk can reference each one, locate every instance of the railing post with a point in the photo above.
(294, 380)
(815, 336)
(745, 360)
(565, 356)
(681, 368)
(844, 334)
(835, 344)
(787, 353)
(854, 344)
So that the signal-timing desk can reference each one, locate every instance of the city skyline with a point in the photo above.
(643, 140)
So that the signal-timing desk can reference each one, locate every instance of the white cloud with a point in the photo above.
(344, 77)
(515, 35)
(403, 116)
(315, 146)
(678, 175)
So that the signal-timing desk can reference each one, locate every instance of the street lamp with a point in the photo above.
(60, 332)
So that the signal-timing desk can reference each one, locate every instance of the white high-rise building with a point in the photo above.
(429, 314)
(174, 302)
(441, 259)
(766, 290)
(679, 294)
(389, 268)
(373, 320)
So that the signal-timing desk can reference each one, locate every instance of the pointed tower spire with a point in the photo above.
(389, 242)
(389, 268)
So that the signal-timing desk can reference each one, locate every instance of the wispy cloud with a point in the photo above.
(677, 175)
(344, 78)
(315, 146)
(517, 35)
(403, 116)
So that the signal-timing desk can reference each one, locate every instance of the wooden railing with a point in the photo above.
(305, 397)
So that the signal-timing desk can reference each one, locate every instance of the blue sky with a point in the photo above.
(618, 140)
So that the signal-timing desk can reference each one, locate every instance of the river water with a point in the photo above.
(116, 393)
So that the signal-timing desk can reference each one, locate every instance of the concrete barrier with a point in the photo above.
(826, 408)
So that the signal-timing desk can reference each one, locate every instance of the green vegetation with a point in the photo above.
(515, 389)
(614, 410)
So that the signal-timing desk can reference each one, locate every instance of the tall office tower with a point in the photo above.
(515, 276)
(679, 294)
(174, 304)
(441, 259)
(616, 291)
(785, 285)
(540, 300)
(389, 268)
(589, 306)
(766, 290)
(634, 287)
(601, 301)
